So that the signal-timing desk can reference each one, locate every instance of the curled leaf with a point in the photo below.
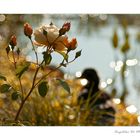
(64, 85)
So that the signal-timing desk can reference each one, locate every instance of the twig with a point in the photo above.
(34, 50)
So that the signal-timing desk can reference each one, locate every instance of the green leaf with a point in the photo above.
(43, 89)
(7, 50)
(64, 85)
(5, 88)
(15, 95)
(21, 69)
(2, 77)
(78, 54)
(47, 58)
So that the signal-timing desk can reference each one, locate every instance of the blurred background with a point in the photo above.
(119, 70)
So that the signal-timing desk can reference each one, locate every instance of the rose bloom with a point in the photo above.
(49, 37)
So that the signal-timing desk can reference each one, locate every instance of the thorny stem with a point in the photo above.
(29, 93)
(34, 50)
(33, 86)
(18, 78)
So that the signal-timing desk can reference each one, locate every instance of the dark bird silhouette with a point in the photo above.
(99, 102)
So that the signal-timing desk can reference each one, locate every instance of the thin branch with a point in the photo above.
(48, 74)
(21, 87)
(14, 59)
(34, 50)
(29, 93)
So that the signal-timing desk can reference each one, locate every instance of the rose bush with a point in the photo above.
(53, 39)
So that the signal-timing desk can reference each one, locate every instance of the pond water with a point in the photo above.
(97, 52)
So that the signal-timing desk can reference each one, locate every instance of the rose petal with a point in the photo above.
(40, 38)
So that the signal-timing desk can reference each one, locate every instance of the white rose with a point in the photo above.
(50, 38)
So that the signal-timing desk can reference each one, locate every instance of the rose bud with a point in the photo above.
(28, 30)
(13, 41)
(65, 28)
